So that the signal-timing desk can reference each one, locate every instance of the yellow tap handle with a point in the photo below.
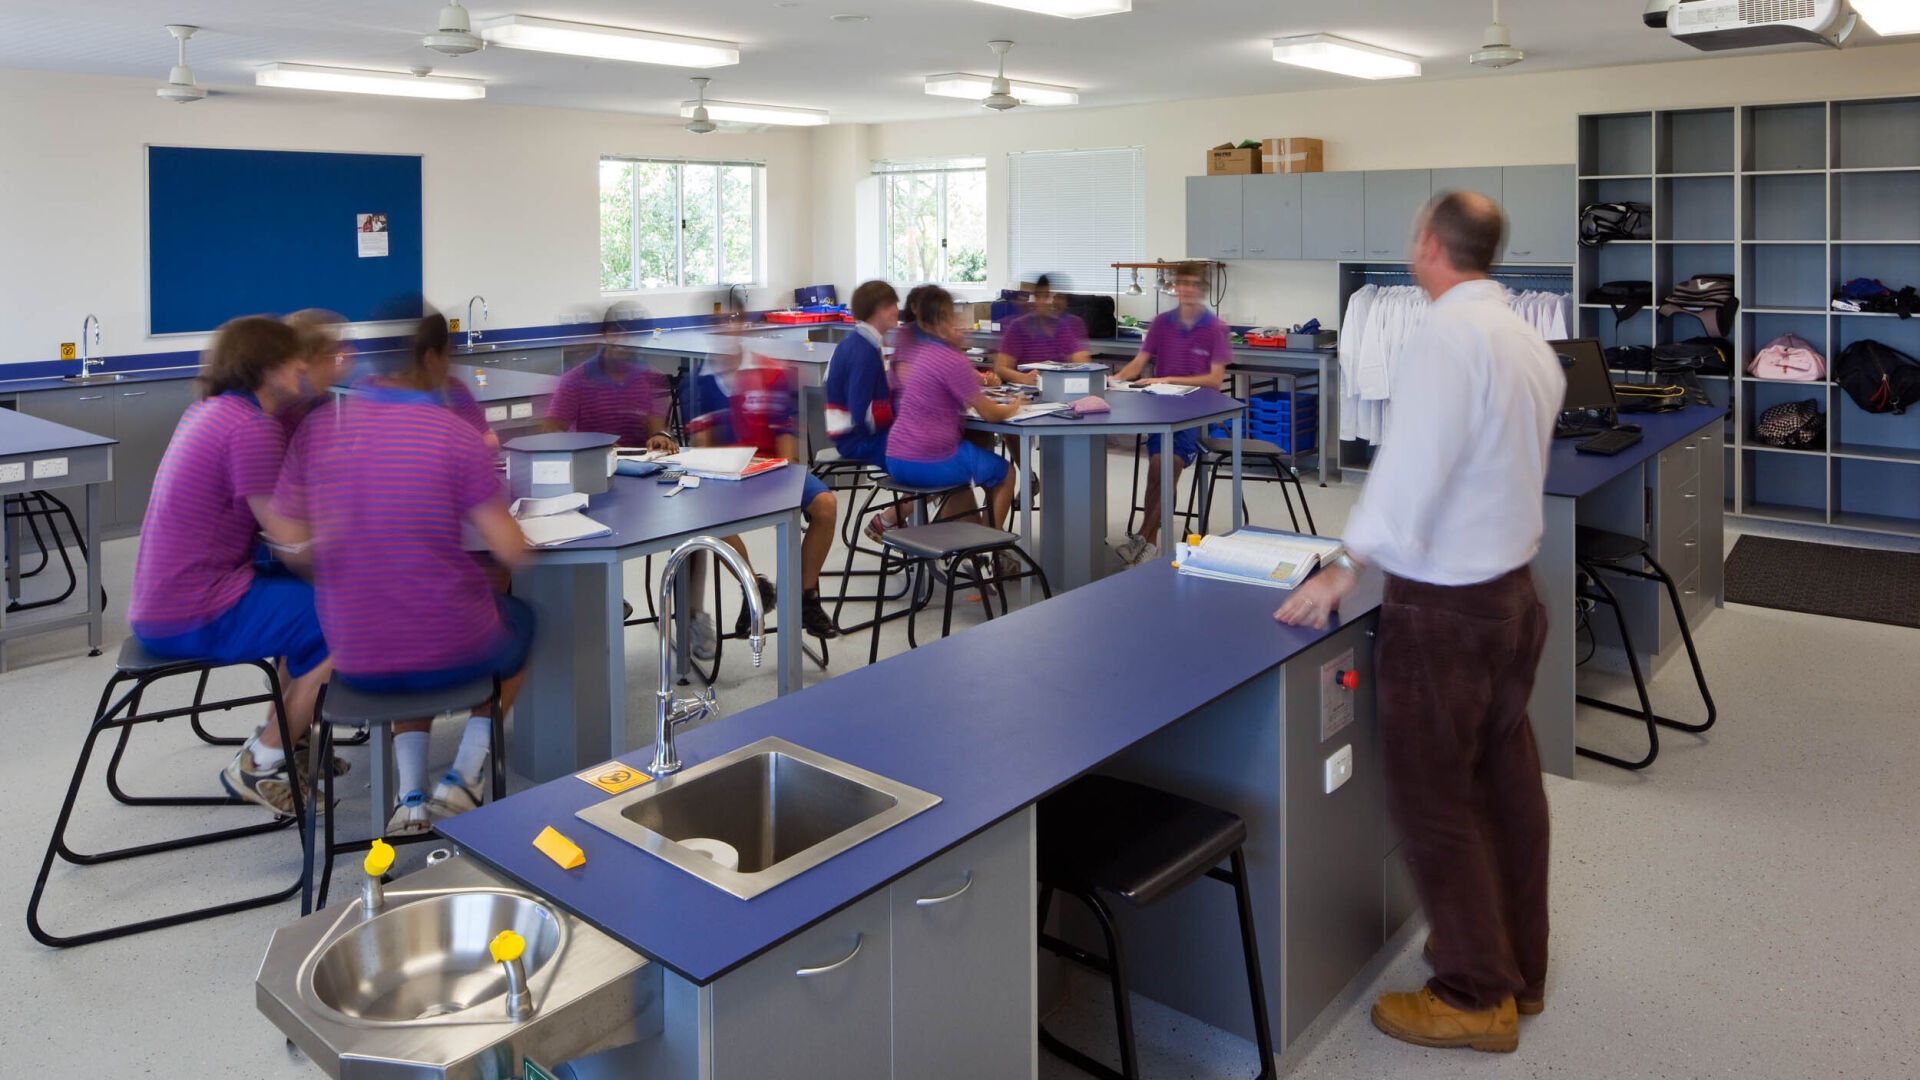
(506, 947)
(379, 858)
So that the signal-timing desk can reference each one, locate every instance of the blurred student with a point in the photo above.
(754, 401)
(613, 395)
(325, 361)
(381, 493)
(1187, 346)
(859, 395)
(925, 448)
(196, 593)
(1045, 334)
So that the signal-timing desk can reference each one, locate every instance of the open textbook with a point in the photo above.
(1277, 560)
(557, 520)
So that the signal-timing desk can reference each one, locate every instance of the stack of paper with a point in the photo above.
(1031, 412)
(1276, 560)
(555, 521)
(722, 462)
(1061, 365)
(1163, 389)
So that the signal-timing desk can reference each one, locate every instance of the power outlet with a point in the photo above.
(13, 472)
(521, 410)
(1339, 768)
(1336, 700)
(496, 414)
(48, 468)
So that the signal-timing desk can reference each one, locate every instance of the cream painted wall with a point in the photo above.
(1508, 119)
(510, 198)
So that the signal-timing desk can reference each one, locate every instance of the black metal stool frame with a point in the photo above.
(123, 713)
(328, 849)
(1136, 511)
(49, 506)
(922, 590)
(1216, 463)
(979, 578)
(1113, 966)
(1654, 721)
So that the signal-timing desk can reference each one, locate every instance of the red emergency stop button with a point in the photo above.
(1348, 679)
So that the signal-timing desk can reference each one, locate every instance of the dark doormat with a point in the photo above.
(1825, 579)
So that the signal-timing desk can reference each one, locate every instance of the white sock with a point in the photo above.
(410, 762)
(266, 757)
(475, 744)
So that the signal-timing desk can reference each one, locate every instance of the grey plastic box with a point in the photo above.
(542, 466)
(1072, 385)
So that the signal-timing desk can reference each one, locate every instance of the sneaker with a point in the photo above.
(1145, 553)
(814, 618)
(705, 641)
(880, 525)
(303, 749)
(1130, 548)
(1006, 564)
(768, 597)
(262, 787)
(455, 795)
(409, 815)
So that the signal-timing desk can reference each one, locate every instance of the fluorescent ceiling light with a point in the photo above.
(608, 42)
(1068, 9)
(1890, 18)
(740, 112)
(363, 81)
(1324, 52)
(977, 87)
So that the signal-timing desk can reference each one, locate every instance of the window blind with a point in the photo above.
(1073, 213)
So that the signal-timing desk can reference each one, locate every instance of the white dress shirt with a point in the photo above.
(1454, 496)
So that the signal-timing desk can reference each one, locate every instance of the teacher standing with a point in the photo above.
(1452, 514)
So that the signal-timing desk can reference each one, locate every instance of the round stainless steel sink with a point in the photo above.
(428, 958)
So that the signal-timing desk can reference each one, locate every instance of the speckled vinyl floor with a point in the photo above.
(1743, 909)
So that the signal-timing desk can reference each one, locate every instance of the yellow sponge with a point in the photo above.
(560, 849)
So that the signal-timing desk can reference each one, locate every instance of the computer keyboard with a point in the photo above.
(1608, 443)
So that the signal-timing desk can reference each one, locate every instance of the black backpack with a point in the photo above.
(1601, 222)
(1878, 377)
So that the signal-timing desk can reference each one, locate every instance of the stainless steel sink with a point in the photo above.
(410, 990)
(89, 380)
(785, 809)
(429, 958)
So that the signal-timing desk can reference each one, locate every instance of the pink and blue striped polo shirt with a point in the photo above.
(386, 485)
(626, 401)
(1178, 349)
(1031, 340)
(939, 385)
(197, 540)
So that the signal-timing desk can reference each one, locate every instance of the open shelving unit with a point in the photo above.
(1792, 199)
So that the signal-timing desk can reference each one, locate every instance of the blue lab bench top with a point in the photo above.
(23, 434)
(981, 719)
(1572, 475)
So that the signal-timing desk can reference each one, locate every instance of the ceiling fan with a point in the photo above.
(181, 87)
(1000, 96)
(701, 124)
(455, 37)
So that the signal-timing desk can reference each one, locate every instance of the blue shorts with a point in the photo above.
(273, 618)
(812, 489)
(969, 465)
(871, 449)
(508, 657)
(1186, 445)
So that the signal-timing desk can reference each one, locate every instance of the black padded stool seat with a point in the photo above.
(345, 705)
(886, 482)
(1213, 444)
(1102, 837)
(945, 538)
(134, 659)
(1601, 546)
(1133, 841)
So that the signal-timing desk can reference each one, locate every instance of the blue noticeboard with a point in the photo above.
(245, 232)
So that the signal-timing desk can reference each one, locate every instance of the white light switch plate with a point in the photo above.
(48, 468)
(13, 472)
(1339, 768)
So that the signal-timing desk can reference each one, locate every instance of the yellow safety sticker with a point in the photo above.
(453, 326)
(69, 351)
(614, 778)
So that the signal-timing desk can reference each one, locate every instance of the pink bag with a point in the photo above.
(1788, 358)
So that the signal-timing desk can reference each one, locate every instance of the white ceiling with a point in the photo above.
(793, 54)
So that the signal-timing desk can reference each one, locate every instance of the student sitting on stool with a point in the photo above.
(1188, 346)
(381, 492)
(1047, 333)
(196, 593)
(859, 396)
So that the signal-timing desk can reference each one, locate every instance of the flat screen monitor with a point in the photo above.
(1589, 386)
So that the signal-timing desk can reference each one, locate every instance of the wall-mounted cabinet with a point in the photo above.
(1394, 199)
(1819, 193)
(1334, 213)
(1215, 216)
(1271, 225)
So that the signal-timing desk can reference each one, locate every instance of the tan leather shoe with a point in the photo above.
(1423, 1019)
(1524, 1005)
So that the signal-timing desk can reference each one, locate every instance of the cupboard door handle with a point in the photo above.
(96, 397)
(133, 393)
(1517, 251)
(930, 901)
(1689, 494)
(1691, 447)
(810, 972)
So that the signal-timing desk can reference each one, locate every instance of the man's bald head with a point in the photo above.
(1469, 227)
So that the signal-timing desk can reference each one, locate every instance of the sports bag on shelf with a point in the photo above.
(1700, 355)
(1707, 297)
(1878, 377)
(1601, 222)
(1630, 358)
(1788, 358)
(1794, 424)
(1655, 396)
(1626, 298)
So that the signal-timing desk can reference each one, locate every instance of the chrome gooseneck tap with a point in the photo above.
(670, 712)
(88, 361)
(473, 332)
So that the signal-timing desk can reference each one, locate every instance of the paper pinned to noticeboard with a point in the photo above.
(371, 232)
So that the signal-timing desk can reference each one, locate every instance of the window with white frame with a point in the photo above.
(668, 224)
(933, 220)
(1072, 214)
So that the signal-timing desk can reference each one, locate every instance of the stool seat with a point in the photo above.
(1215, 445)
(1601, 546)
(345, 705)
(134, 659)
(1130, 840)
(947, 538)
(886, 482)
